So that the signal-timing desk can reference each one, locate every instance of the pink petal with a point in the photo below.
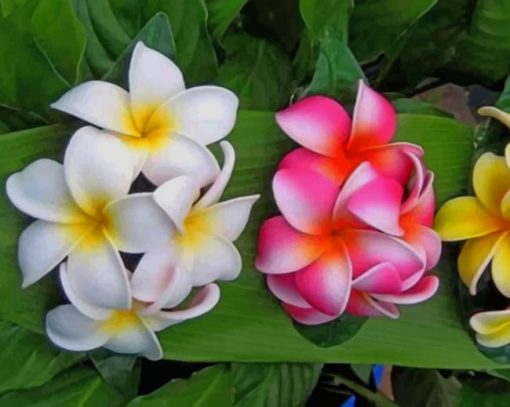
(416, 184)
(325, 284)
(422, 291)
(284, 288)
(307, 316)
(282, 249)
(374, 120)
(306, 199)
(381, 279)
(426, 241)
(377, 203)
(422, 211)
(368, 248)
(317, 123)
(360, 304)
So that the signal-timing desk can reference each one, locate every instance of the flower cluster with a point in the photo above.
(483, 221)
(87, 214)
(355, 231)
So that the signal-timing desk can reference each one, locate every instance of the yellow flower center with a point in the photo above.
(120, 320)
(197, 226)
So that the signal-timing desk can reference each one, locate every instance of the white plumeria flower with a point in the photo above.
(81, 327)
(165, 125)
(84, 214)
(200, 248)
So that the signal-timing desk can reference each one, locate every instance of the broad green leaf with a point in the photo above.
(503, 101)
(27, 359)
(221, 14)
(326, 15)
(363, 372)
(483, 392)
(376, 26)
(211, 386)
(8, 6)
(76, 387)
(404, 105)
(63, 40)
(257, 71)
(274, 384)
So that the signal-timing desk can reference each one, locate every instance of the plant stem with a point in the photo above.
(377, 398)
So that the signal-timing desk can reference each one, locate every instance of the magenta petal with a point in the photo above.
(325, 284)
(377, 203)
(317, 123)
(426, 241)
(282, 249)
(307, 316)
(284, 288)
(381, 279)
(374, 120)
(422, 291)
(306, 199)
(360, 304)
(417, 183)
(423, 210)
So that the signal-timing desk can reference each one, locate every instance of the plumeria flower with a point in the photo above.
(83, 213)
(199, 248)
(492, 328)
(495, 113)
(333, 239)
(484, 221)
(334, 145)
(81, 327)
(165, 125)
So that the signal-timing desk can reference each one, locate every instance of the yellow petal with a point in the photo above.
(491, 181)
(464, 218)
(495, 113)
(475, 257)
(492, 328)
(501, 267)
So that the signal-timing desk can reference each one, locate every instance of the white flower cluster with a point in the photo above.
(86, 214)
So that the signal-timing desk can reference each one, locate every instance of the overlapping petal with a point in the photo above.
(492, 328)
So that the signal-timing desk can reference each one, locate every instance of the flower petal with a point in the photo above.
(100, 103)
(97, 275)
(491, 181)
(206, 114)
(383, 278)
(138, 339)
(176, 196)
(495, 113)
(464, 218)
(98, 167)
(153, 78)
(180, 155)
(230, 217)
(306, 199)
(422, 291)
(417, 182)
(500, 266)
(425, 241)
(492, 328)
(70, 329)
(422, 209)
(326, 283)
(307, 316)
(377, 203)
(318, 123)
(43, 245)
(374, 120)
(362, 305)
(283, 287)
(136, 223)
(282, 249)
(40, 190)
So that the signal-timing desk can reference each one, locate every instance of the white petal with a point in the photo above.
(136, 223)
(215, 191)
(137, 339)
(181, 156)
(101, 103)
(176, 197)
(43, 245)
(230, 217)
(205, 113)
(98, 167)
(153, 78)
(40, 190)
(85, 308)
(215, 259)
(97, 275)
(70, 329)
(205, 300)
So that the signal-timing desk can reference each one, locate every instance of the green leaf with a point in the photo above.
(326, 15)
(76, 387)
(424, 388)
(221, 14)
(8, 6)
(28, 359)
(363, 372)
(483, 392)
(63, 41)
(257, 71)
(404, 105)
(274, 385)
(503, 101)
(211, 386)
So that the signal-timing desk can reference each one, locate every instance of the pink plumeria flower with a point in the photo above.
(165, 125)
(199, 246)
(334, 145)
(80, 326)
(84, 213)
(330, 238)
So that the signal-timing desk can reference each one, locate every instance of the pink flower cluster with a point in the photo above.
(355, 231)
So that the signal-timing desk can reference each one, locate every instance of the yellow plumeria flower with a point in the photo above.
(484, 221)
(492, 328)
